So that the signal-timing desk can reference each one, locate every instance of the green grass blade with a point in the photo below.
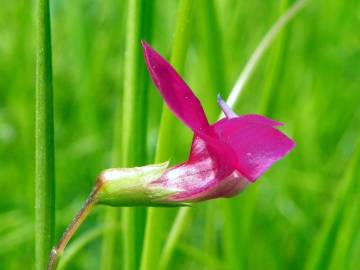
(109, 239)
(81, 242)
(15, 238)
(180, 223)
(128, 123)
(261, 49)
(134, 121)
(324, 244)
(214, 70)
(348, 228)
(165, 145)
(204, 259)
(44, 134)
(247, 201)
(211, 56)
(232, 247)
(130, 132)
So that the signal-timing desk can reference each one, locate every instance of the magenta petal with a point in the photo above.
(259, 119)
(203, 176)
(256, 144)
(182, 101)
(175, 92)
(249, 118)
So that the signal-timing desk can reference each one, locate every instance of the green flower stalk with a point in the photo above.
(119, 187)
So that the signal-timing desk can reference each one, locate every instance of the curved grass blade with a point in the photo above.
(324, 243)
(261, 49)
(131, 149)
(80, 243)
(152, 246)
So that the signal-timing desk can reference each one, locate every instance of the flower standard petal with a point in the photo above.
(181, 100)
(179, 97)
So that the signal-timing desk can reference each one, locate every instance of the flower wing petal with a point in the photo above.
(178, 96)
(256, 144)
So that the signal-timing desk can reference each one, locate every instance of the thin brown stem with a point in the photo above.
(57, 250)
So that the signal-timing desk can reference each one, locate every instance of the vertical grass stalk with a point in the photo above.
(109, 239)
(129, 122)
(165, 146)
(130, 131)
(44, 139)
(211, 50)
(242, 227)
(322, 253)
(211, 55)
(180, 223)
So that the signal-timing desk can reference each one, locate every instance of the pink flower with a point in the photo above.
(225, 156)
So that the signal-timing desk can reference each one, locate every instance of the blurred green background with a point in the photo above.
(306, 208)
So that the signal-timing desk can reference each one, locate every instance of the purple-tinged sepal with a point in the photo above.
(132, 187)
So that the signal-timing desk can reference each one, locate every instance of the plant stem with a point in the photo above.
(44, 136)
(152, 243)
(57, 251)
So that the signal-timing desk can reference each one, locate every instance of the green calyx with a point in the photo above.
(131, 187)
